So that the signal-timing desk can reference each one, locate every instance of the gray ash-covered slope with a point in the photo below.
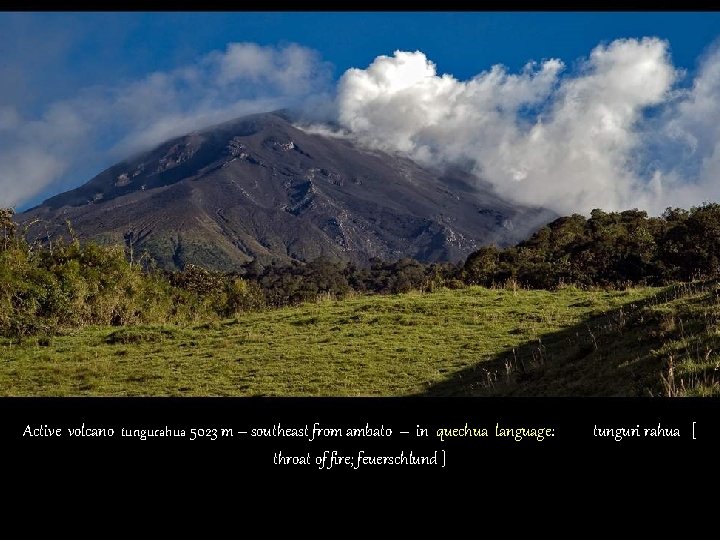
(258, 187)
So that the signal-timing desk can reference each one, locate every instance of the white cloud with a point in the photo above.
(25, 172)
(564, 142)
(106, 123)
(401, 103)
(293, 70)
(686, 140)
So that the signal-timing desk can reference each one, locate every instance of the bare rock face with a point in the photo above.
(260, 188)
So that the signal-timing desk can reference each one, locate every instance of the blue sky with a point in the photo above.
(74, 50)
(52, 61)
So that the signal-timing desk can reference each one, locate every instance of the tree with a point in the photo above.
(8, 227)
(481, 266)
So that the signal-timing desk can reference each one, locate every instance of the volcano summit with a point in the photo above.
(259, 187)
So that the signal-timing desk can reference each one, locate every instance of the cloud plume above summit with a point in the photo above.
(568, 141)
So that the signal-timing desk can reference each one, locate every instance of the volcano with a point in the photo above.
(261, 188)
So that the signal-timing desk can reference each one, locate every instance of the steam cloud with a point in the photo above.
(619, 131)
(571, 143)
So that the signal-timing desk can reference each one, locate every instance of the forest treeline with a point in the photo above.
(66, 283)
(607, 249)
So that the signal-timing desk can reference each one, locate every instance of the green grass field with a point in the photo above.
(471, 341)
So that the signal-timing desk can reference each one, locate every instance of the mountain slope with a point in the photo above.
(259, 187)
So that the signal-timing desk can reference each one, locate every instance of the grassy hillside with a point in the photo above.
(473, 341)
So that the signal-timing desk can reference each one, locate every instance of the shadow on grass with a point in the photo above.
(611, 354)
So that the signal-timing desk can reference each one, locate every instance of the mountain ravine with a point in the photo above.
(260, 188)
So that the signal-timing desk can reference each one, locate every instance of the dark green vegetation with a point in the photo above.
(615, 249)
(45, 289)
(81, 319)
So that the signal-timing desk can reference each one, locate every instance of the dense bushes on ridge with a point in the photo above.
(608, 249)
(69, 284)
